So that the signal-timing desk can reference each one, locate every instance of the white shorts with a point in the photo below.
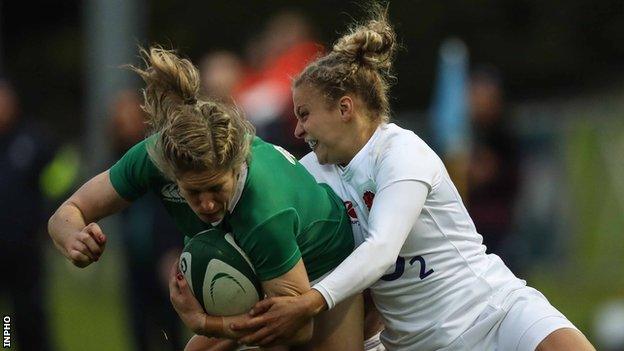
(374, 343)
(518, 321)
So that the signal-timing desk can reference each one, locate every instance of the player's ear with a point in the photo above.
(345, 104)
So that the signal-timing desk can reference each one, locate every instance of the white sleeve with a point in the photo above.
(407, 159)
(393, 214)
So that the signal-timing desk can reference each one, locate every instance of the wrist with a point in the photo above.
(209, 326)
(315, 302)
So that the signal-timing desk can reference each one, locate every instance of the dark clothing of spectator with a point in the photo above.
(492, 194)
(24, 153)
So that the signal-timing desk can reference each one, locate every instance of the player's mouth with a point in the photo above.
(213, 216)
(312, 143)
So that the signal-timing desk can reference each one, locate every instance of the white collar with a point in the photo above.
(238, 191)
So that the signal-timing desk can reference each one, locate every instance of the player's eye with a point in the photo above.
(191, 192)
(301, 114)
(215, 188)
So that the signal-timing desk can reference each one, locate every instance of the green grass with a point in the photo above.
(86, 305)
(590, 271)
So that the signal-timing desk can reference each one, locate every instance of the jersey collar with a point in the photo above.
(240, 184)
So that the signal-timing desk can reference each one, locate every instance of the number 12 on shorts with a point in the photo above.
(399, 268)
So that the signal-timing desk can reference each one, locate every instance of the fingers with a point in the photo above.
(182, 283)
(261, 307)
(92, 248)
(94, 230)
(81, 247)
(260, 335)
(173, 283)
(268, 340)
(79, 259)
(86, 246)
(174, 270)
(252, 323)
(97, 237)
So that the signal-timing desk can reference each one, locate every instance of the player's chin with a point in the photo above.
(320, 155)
(212, 217)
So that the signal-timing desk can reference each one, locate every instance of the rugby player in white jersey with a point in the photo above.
(419, 251)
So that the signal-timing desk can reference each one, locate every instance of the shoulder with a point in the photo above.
(135, 172)
(396, 144)
(137, 158)
(274, 179)
(401, 154)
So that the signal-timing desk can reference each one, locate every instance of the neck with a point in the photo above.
(360, 137)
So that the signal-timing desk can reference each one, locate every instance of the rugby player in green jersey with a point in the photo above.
(208, 169)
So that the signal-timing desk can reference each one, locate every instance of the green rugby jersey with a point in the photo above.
(282, 214)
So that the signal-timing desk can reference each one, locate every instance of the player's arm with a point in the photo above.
(73, 226)
(293, 283)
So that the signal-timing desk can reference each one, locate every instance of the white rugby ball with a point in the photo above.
(219, 274)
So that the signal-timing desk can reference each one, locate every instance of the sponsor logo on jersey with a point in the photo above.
(368, 197)
(171, 193)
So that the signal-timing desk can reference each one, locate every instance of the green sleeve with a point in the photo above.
(131, 175)
(272, 245)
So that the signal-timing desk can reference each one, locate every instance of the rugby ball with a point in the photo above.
(219, 274)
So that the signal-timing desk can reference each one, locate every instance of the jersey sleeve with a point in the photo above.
(131, 175)
(407, 158)
(272, 245)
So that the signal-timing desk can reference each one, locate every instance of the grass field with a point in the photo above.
(86, 305)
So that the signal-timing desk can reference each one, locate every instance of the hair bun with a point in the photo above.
(372, 44)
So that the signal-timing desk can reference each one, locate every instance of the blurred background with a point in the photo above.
(523, 100)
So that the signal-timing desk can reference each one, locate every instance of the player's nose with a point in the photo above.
(299, 131)
(206, 202)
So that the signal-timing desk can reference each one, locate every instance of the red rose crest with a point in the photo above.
(350, 210)
(368, 199)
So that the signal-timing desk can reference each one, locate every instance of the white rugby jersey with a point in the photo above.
(441, 279)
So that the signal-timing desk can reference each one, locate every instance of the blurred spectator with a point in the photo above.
(608, 323)
(221, 72)
(24, 152)
(151, 243)
(493, 166)
(279, 53)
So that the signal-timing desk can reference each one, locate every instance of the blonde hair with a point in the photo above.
(194, 134)
(360, 62)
